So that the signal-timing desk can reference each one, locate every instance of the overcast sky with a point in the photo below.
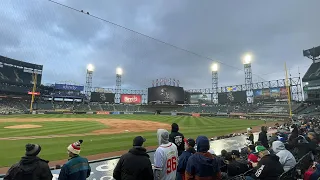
(65, 41)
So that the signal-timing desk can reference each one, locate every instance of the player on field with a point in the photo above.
(165, 157)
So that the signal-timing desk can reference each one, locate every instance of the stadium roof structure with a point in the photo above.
(313, 73)
(313, 53)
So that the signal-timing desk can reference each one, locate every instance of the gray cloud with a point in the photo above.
(65, 41)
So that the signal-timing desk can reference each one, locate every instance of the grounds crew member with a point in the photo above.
(177, 138)
(30, 167)
(77, 168)
(134, 165)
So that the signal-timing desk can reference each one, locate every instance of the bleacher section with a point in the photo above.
(276, 108)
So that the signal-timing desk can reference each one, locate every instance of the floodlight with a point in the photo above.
(90, 68)
(247, 59)
(119, 71)
(214, 67)
(307, 83)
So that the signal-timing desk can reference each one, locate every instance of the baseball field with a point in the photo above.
(101, 133)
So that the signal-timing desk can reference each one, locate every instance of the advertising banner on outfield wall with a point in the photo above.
(130, 99)
(173, 113)
(115, 112)
(196, 114)
(127, 112)
(103, 112)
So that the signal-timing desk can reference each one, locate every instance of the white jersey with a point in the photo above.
(166, 160)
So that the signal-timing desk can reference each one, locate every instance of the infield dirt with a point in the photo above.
(115, 126)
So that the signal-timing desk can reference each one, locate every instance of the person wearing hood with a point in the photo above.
(77, 168)
(268, 168)
(202, 165)
(127, 169)
(263, 137)
(183, 159)
(286, 158)
(30, 166)
(165, 157)
(177, 138)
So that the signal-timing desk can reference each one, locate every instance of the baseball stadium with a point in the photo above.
(56, 114)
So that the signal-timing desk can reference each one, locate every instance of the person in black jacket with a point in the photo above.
(237, 165)
(30, 166)
(263, 137)
(134, 165)
(268, 168)
(177, 138)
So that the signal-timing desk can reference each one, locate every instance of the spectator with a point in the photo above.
(202, 165)
(250, 135)
(77, 168)
(237, 166)
(183, 159)
(316, 174)
(274, 137)
(165, 157)
(30, 166)
(252, 157)
(127, 169)
(177, 138)
(294, 134)
(286, 158)
(263, 137)
(268, 168)
(313, 142)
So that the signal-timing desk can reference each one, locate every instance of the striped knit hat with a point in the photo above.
(75, 147)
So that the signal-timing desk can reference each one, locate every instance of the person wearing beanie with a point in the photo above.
(183, 159)
(30, 166)
(165, 157)
(202, 165)
(177, 138)
(77, 168)
(135, 164)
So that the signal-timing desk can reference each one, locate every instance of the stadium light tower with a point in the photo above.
(247, 59)
(119, 73)
(214, 70)
(90, 69)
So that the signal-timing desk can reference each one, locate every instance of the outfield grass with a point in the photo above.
(55, 148)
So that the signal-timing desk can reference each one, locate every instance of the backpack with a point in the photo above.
(17, 173)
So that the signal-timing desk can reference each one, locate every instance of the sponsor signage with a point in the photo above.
(35, 93)
(306, 88)
(131, 98)
(68, 87)
(116, 112)
(128, 113)
(103, 112)
(196, 114)
(173, 113)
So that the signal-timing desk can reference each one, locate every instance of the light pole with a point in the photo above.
(119, 73)
(214, 70)
(90, 69)
(247, 59)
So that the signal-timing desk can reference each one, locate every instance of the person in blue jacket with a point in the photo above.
(183, 159)
(77, 168)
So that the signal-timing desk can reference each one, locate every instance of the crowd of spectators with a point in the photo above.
(291, 152)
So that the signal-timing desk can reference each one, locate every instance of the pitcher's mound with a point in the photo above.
(23, 126)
